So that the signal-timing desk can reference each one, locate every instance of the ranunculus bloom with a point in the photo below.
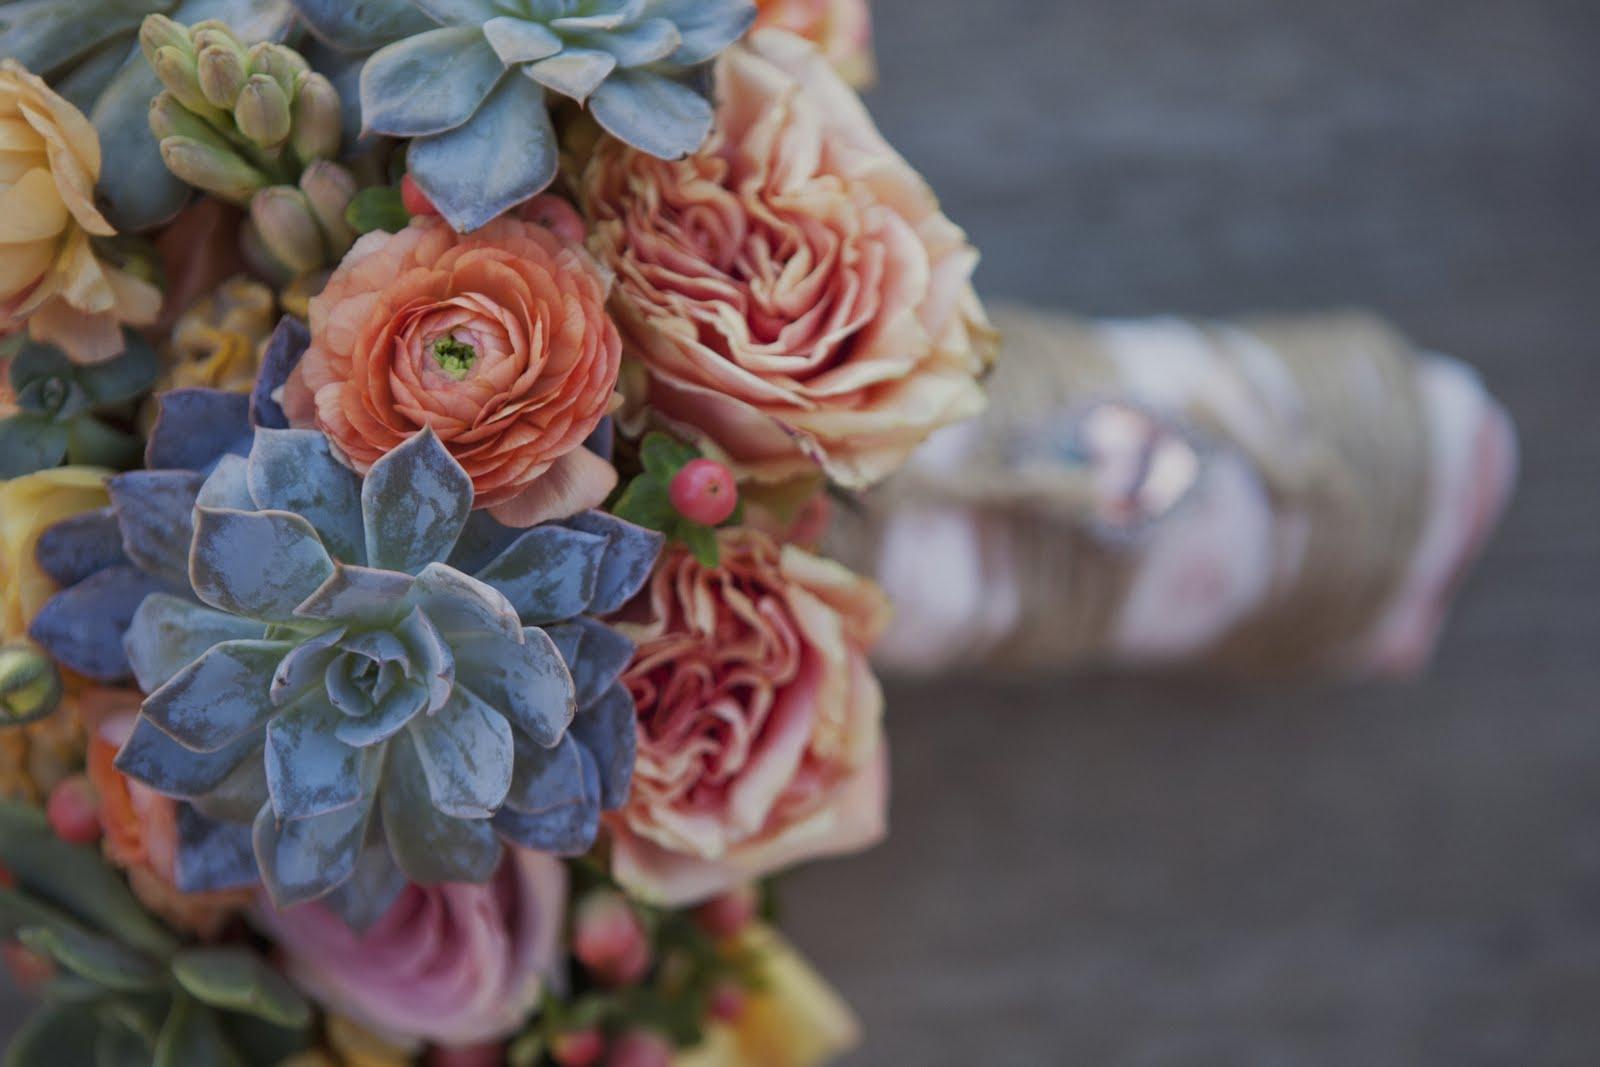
(793, 288)
(842, 29)
(793, 1018)
(452, 964)
(499, 340)
(28, 506)
(141, 825)
(50, 278)
(760, 739)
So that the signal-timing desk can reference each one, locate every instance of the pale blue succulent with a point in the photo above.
(377, 713)
(467, 82)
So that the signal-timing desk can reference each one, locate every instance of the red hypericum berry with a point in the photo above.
(609, 939)
(72, 811)
(704, 492)
(728, 914)
(642, 1048)
(415, 200)
(578, 1048)
(728, 1001)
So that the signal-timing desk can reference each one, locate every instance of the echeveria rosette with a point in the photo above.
(379, 713)
(70, 411)
(471, 90)
(85, 50)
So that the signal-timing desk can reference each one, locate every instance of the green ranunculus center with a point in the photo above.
(454, 357)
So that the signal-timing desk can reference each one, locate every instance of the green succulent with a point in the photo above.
(84, 49)
(466, 79)
(129, 991)
(75, 412)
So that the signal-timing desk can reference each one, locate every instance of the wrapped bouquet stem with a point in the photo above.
(1277, 496)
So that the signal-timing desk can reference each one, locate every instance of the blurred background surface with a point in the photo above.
(1119, 871)
(1128, 871)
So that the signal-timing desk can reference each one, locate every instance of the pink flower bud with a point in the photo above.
(726, 915)
(72, 811)
(609, 939)
(728, 1001)
(578, 1048)
(642, 1048)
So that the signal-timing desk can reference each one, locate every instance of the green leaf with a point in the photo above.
(237, 980)
(663, 456)
(646, 503)
(92, 443)
(117, 1046)
(263, 1044)
(192, 1036)
(702, 541)
(30, 442)
(378, 208)
(75, 879)
(142, 1013)
(57, 1034)
(98, 959)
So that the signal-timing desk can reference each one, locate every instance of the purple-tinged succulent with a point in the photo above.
(108, 561)
(385, 682)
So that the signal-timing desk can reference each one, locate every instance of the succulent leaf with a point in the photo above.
(194, 428)
(566, 829)
(429, 83)
(75, 548)
(152, 757)
(507, 154)
(466, 753)
(304, 859)
(285, 347)
(526, 680)
(220, 697)
(153, 510)
(430, 847)
(167, 633)
(374, 886)
(99, 959)
(261, 565)
(82, 627)
(237, 980)
(56, 1033)
(414, 502)
(361, 27)
(216, 856)
(549, 573)
(192, 1034)
(294, 470)
(310, 772)
(654, 113)
(630, 555)
(543, 778)
(607, 730)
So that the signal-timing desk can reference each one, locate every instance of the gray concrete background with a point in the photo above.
(1110, 872)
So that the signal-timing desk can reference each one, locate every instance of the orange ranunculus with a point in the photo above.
(50, 278)
(498, 339)
(760, 734)
(842, 29)
(792, 288)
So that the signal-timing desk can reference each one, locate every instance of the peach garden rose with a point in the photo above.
(760, 739)
(51, 281)
(793, 288)
(499, 340)
(842, 29)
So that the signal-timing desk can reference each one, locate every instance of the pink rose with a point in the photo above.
(842, 29)
(793, 289)
(453, 964)
(760, 738)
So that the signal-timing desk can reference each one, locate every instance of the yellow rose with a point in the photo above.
(29, 505)
(794, 1019)
(217, 343)
(50, 278)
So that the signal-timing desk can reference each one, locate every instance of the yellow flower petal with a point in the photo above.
(22, 265)
(31, 209)
(29, 505)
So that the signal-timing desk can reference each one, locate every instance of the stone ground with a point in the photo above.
(1135, 872)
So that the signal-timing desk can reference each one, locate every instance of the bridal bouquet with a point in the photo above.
(418, 420)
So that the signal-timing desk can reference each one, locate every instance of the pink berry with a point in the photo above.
(578, 1048)
(704, 492)
(640, 1049)
(726, 915)
(72, 811)
(728, 1001)
(609, 939)
(415, 200)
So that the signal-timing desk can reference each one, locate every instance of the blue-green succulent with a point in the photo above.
(466, 79)
(375, 712)
(74, 412)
